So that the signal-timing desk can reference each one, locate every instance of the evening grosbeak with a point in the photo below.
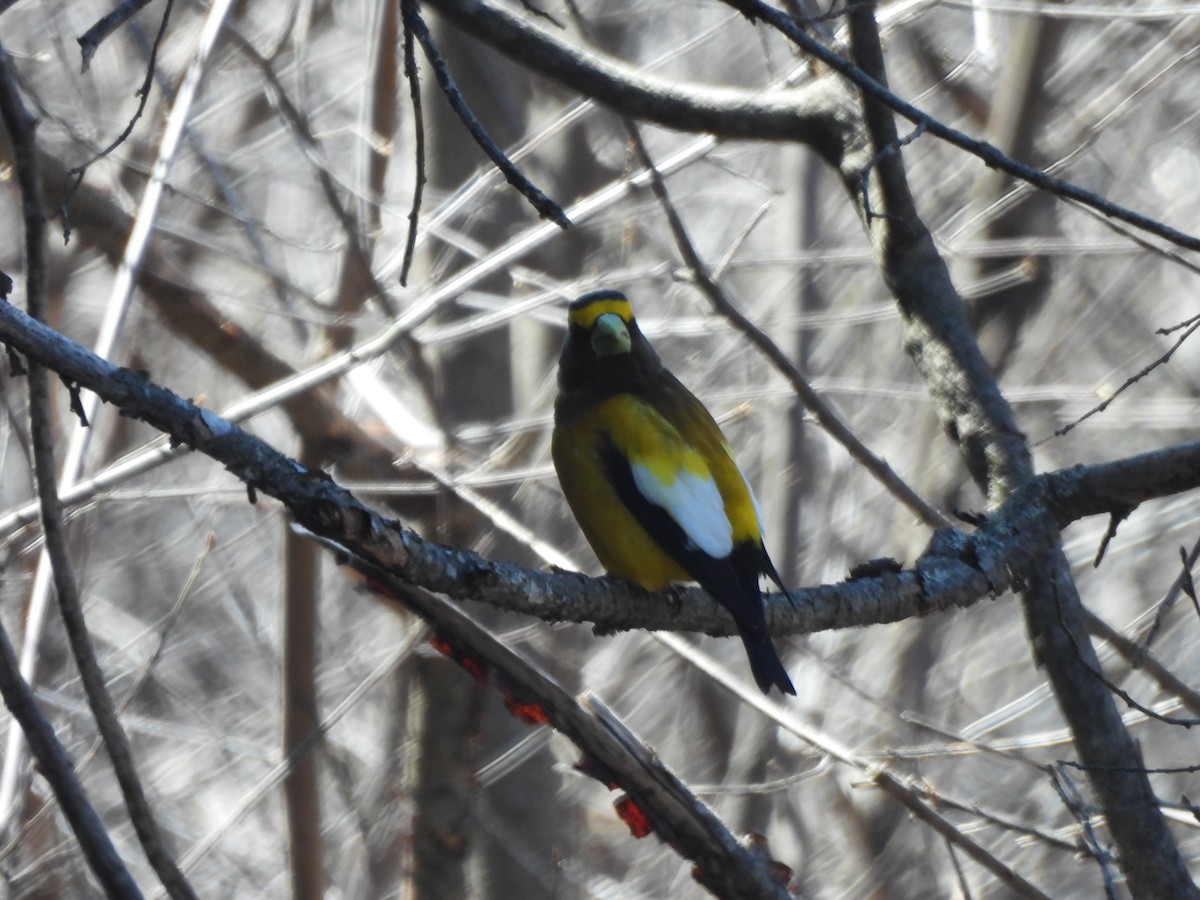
(650, 478)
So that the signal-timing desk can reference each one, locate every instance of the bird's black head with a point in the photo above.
(605, 352)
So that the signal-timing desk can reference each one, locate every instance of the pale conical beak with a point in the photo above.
(610, 336)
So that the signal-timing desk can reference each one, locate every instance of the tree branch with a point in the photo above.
(956, 570)
(867, 81)
(546, 208)
(971, 405)
(815, 115)
(809, 115)
(20, 130)
(107, 25)
(612, 754)
(89, 830)
(824, 413)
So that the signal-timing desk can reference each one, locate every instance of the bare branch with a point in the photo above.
(816, 404)
(545, 207)
(932, 817)
(612, 754)
(991, 156)
(1072, 799)
(89, 44)
(104, 28)
(414, 86)
(809, 115)
(1140, 658)
(1182, 581)
(956, 569)
(1132, 379)
(89, 831)
(981, 422)
(20, 131)
(1097, 673)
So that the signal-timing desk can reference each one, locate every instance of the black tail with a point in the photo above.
(765, 664)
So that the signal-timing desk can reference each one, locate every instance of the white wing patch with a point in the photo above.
(695, 504)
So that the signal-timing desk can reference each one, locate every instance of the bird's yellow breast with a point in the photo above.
(634, 428)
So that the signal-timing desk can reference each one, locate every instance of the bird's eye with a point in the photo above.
(610, 335)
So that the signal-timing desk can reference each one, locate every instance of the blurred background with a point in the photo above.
(277, 243)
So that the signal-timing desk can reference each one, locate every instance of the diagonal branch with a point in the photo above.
(966, 392)
(546, 208)
(612, 754)
(97, 848)
(874, 87)
(809, 115)
(824, 413)
(20, 129)
(956, 570)
(816, 115)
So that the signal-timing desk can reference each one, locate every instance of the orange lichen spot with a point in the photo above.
(529, 713)
(633, 816)
(473, 666)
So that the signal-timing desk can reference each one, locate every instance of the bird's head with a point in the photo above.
(605, 351)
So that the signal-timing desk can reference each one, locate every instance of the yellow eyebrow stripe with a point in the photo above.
(586, 317)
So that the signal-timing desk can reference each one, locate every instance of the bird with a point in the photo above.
(651, 479)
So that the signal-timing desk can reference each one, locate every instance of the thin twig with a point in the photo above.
(1111, 685)
(1065, 787)
(1169, 329)
(1114, 521)
(97, 848)
(542, 14)
(1140, 658)
(89, 43)
(414, 86)
(545, 207)
(822, 411)
(990, 155)
(91, 40)
(1168, 602)
(1129, 382)
(941, 800)
(1150, 770)
(864, 179)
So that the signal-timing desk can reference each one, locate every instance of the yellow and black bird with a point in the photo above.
(651, 479)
